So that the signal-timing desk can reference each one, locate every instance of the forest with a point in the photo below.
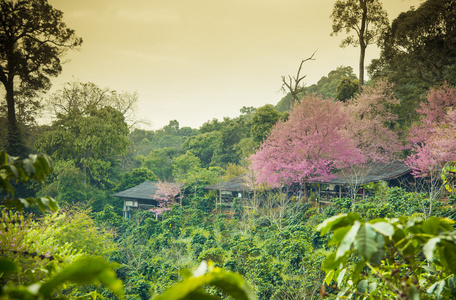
(64, 235)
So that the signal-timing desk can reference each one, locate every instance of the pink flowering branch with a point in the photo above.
(307, 146)
(433, 140)
(166, 196)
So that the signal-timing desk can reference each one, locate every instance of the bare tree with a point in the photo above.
(294, 84)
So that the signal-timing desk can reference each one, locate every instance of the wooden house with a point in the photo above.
(140, 197)
(234, 188)
(348, 181)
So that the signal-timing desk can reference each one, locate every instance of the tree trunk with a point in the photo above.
(15, 145)
(362, 43)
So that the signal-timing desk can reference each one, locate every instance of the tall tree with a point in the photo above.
(33, 38)
(94, 140)
(418, 51)
(366, 18)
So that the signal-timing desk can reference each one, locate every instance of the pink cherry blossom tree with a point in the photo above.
(370, 130)
(166, 195)
(370, 123)
(433, 140)
(307, 146)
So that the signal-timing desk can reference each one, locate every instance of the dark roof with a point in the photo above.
(145, 190)
(370, 173)
(237, 184)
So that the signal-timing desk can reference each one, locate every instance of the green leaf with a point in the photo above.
(28, 166)
(431, 225)
(362, 286)
(449, 252)
(330, 262)
(358, 269)
(378, 256)
(372, 287)
(85, 270)
(383, 228)
(329, 277)
(365, 242)
(413, 293)
(338, 235)
(192, 288)
(7, 267)
(327, 224)
(348, 240)
(436, 288)
(340, 278)
(452, 284)
(428, 248)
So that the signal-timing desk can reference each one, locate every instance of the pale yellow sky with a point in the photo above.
(194, 60)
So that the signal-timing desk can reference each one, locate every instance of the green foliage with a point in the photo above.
(134, 178)
(36, 252)
(449, 176)
(160, 162)
(262, 121)
(93, 140)
(347, 89)
(385, 257)
(192, 288)
(203, 146)
(35, 167)
(32, 43)
(184, 164)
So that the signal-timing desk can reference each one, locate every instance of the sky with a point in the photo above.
(195, 60)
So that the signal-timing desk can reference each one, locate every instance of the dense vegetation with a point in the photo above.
(62, 233)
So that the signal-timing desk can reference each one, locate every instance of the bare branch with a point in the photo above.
(293, 84)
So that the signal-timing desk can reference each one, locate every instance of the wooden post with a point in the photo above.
(319, 198)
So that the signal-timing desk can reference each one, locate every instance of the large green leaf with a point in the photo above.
(362, 286)
(365, 243)
(336, 222)
(348, 240)
(431, 225)
(192, 288)
(85, 270)
(383, 228)
(327, 224)
(449, 252)
(428, 248)
(338, 235)
(330, 262)
(452, 285)
(329, 277)
(6, 267)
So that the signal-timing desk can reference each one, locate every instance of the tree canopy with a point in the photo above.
(33, 38)
(366, 18)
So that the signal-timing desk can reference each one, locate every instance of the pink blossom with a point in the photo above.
(307, 146)
(165, 195)
(370, 122)
(433, 140)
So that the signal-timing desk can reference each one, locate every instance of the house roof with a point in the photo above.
(369, 173)
(145, 190)
(237, 184)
